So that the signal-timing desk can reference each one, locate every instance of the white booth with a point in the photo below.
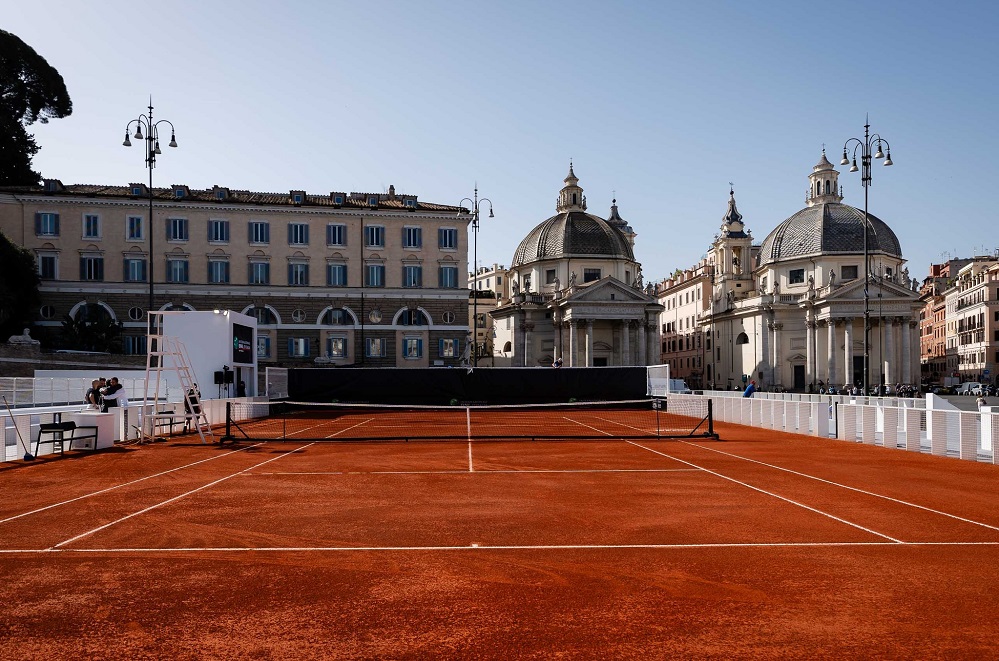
(222, 348)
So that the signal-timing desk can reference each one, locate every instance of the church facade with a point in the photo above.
(789, 312)
(575, 293)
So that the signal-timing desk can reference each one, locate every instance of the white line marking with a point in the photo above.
(363, 422)
(844, 486)
(170, 500)
(787, 500)
(471, 467)
(125, 484)
(498, 547)
(485, 472)
(583, 424)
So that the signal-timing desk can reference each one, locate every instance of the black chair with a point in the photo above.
(56, 431)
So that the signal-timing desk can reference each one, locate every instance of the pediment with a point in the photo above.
(854, 291)
(609, 290)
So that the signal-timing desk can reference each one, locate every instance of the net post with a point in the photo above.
(228, 422)
(711, 419)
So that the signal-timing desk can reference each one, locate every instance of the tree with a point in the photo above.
(18, 288)
(92, 329)
(30, 90)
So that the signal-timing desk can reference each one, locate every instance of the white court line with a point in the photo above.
(478, 546)
(485, 472)
(175, 498)
(787, 500)
(583, 424)
(363, 422)
(844, 486)
(125, 484)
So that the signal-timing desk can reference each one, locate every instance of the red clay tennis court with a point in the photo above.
(764, 545)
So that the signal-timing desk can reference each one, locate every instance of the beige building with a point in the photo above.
(340, 279)
(686, 346)
(487, 285)
(973, 319)
(576, 292)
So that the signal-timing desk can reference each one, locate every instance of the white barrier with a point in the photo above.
(918, 425)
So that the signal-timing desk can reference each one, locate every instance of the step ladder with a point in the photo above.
(168, 354)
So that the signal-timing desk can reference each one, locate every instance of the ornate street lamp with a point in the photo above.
(152, 138)
(866, 147)
(475, 268)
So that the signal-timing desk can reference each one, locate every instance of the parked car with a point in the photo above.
(942, 390)
(968, 387)
(980, 390)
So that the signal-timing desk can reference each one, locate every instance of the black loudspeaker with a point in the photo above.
(229, 374)
(218, 378)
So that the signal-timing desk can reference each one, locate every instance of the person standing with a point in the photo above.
(750, 389)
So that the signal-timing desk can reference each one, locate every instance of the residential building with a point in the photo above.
(367, 279)
(686, 344)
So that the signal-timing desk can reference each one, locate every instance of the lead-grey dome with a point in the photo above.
(829, 228)
(573, 234)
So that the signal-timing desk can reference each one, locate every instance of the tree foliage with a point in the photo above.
(92, 329)
(30, 90)
(18, 288)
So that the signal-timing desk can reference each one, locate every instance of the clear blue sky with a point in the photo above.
(664, 103)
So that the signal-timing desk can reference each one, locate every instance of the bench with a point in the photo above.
(171, 419)
(56, 433)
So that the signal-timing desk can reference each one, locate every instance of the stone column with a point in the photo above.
(809, 351)
(625, 342)
(831, 353)
(848, 351)
(913, 359)
(888, 362)
(906, 365)
(778, 367)
(768, 373)
(589, 343)
(528, 354)
(642, 343)
(573, 343)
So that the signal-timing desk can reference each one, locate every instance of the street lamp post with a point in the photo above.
(475, 268)
(865, 146)
(152, 138)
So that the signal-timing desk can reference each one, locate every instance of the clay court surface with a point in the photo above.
(763, 545)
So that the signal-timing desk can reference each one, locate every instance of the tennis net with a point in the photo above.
(309, 421)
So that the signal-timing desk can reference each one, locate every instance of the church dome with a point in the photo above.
(828, 228)
(573, 234)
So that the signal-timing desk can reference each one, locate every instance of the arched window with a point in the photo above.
(335, 317)
(263, 315)
(818, 188)
(508, 347)
(827, 186)
(413, 318)
(743, 338)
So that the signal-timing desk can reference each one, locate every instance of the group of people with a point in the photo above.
(105, 393)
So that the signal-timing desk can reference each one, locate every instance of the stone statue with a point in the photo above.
(515, 287)
(811, 281)
(24, 338)
(832, 277)
(572, 279)
(776, 287)
(905, 276)
(527, 285)
(639, 281)
(558, 284)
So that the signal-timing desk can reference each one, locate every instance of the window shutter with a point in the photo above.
(291, 274)
(440, 347)
(419, 276)
(83, 268)
(440, 237)
(184, 270)
(142, 271)
(38, 223)
(291, 346)
(306, 237)
(306, 273)
(329, 235)
(55, 223)
(124, 270)
(290, 232)
(419, 347)
(307, 351)
(169, 222)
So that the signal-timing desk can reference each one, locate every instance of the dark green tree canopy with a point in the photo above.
(30, 90)
(18, 288)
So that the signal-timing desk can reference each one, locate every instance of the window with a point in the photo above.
(260, 231)
(374, 236)
(218, 231)
(336, 275)
(336, 347)
(412, 276)
(176, 229)
(218, 271)
(136, 190)
(48, 267)
(134, 269)
(135, 313)
(590, 275)
(412, 238)
(447, 277)
(47, 311)
(373, 201)
(133, 228)
(796, 276)
(92, 268)
(338, 199)
(297, 198)
(298, 274)
(47, 224)
(849, 272)
(91, 226)
(336, 235)
(260, 273)
(134, 345)
(412, 348)
(298, 347)
(374, 275)
(413, 318)
(549, 277)
(480, 320)
(179, 192)
(410, 204)
(177, 270)
(336, 317)
(447, 238)
(375, 347)
(448, 348)
(742, 339)
(298, 234)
